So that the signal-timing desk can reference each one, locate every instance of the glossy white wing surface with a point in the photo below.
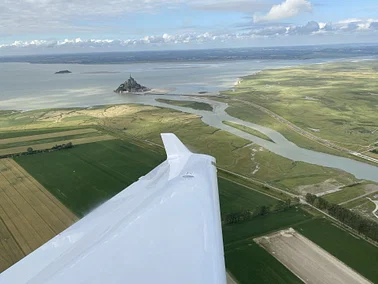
(164, 228)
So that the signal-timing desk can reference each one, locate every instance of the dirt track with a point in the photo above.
(29, 214)
(44, 146)
(308, 261)
(230, 280)
(46, 136)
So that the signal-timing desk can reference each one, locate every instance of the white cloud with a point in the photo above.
(355, 24)
(255, 32)
(287, 9)
(244, 6)
(88, 17)
(374, 25)
(309, 28)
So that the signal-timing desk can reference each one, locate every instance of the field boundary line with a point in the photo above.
(30, 196)
(268, 232)
(260, 183)
(21, 212)
(310, 243)
(47, 135)
(358, 197)
(49, 195)
(250, 188)
(26, 248)
(46, 146)
(13, 237)
(231, 279)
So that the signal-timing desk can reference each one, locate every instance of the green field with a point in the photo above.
(87, 175)
(249, 183)
(190, 104)
(263, 225)
(49, 140)
(237, 198)
(20, 133)
(248, 130)
(146, 123)
(354, 252)
(363, 206)
(250, 263)
(346, 194)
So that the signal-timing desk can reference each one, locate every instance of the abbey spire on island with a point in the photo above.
(131, 86)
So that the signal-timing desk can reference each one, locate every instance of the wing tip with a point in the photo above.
(173, 146)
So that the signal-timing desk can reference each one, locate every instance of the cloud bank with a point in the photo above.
(280, 31)
(287, 9)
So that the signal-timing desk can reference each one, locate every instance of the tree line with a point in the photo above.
(354, 220)
(31, 151)
(242, 216)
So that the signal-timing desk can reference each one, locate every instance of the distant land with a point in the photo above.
(267, 53)
(63, 72)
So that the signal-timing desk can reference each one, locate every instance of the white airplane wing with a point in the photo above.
(164, 228)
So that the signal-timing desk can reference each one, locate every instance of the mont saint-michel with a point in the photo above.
(131, 86)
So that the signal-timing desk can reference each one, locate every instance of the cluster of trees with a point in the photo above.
(354, 220)
(62, 146)
(31, 151)
(239, 217)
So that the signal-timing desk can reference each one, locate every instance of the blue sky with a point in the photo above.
(30, 26)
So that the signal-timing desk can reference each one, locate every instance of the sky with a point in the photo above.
(60, 26)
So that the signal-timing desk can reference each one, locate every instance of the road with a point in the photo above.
(308, 261)
(230, 280)
(376, 208)
(358, 197)
(261, 183)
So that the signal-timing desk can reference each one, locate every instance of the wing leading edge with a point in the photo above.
(164, 228)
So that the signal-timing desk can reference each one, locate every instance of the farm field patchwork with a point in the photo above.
(87, 175)
(355, 252)
(146, 123)
(103, 169)
(49, 145)
(307, 260)
(250, 263)
(29, 214)
(351, 192)
(263, 225)
(10, 252)
(6, 134)
(236, 198)
(46, 136)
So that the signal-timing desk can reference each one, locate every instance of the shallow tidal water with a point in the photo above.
(34, 86)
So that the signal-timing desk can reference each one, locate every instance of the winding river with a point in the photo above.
(35, 86)
(282, 146)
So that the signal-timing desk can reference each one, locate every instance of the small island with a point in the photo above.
(63, 72)
(131, 86)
